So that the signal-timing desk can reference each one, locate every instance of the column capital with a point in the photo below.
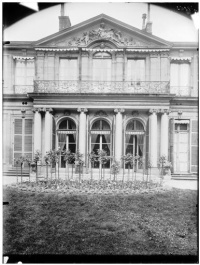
(34, 110)
(119, 110)
(50, 110)
(152, 111)
(165, 111)
(82, 110)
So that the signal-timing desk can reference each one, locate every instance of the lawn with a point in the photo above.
(153, 223)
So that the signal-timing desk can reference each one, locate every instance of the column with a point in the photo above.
(37, 130)
(118, 134)
(153, 156)
(82, 132)
(48, 129)
(164, 133)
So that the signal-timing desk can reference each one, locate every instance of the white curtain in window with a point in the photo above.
(102, 69)
(174, 75)
(68, 69)
(136, 70)
(184, 74)
(30, 72)
(20, 73)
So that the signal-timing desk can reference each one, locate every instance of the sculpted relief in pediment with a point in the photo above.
(104, 33)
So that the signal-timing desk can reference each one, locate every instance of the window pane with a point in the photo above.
(96, 125)
(71, 138)
(130, 126)
(183, 127)
(95, 138)
(176, 127)
(106, 138)
(106, 147)
(174, 75)
(105, 125)
(63, 125)
(129, 148)
(72, 148)
(18, 126)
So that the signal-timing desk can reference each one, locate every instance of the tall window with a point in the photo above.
(101, 139)
(180, 74)
(23, 138)
(136, 70)
(102, 67)
(68, 69)
(66, 138)
(24, 72)
(134, 139)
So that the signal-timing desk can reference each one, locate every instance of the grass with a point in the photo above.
(156, 223)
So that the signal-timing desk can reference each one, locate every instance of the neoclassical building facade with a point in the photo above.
(102, 84)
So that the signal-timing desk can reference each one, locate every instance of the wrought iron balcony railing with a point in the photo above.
(23, 89)
(181, 90)
(145, 87)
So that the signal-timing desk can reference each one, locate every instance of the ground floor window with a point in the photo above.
(23, 139)
(101, 140)
(134, 140)
(181, 146)
(66, 138)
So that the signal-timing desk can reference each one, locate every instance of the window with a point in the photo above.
(179, 75)
(68, 69)
(134, 139)
(66, 138)
(100, 139)
(136, 70)
(23, 138)
(102, 67)
(24, 72)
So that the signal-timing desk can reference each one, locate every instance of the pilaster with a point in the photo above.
(164, 144)
(153, 156)
(118, 134)
(37, 129)
(82, 132)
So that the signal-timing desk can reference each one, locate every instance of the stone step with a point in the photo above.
(188, 176)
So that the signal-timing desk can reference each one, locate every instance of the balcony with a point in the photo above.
(23, 89)
(181, 91)
(142, 87)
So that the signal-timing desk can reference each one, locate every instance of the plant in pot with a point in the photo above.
(128, 160)
(36, 159)
(115, 168)
(79, 163)
(92, 158)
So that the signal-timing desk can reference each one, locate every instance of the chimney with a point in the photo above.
(64, 21)
(144, 16)
(149, 24)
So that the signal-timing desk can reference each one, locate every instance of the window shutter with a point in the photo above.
(18, 126)
(171, 153)
(18, 143)
(28, 126)
(194, 146)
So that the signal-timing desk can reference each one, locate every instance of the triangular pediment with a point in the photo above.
(100, 29)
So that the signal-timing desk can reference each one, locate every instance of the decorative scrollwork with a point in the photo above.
(142, 87)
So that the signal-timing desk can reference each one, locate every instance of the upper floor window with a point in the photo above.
(136, 70)
(68, 69)
(180, 74)
(24, 72)
(102, 66)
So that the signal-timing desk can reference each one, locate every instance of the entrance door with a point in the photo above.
(181, 148)
(134, 139)
(100, 140)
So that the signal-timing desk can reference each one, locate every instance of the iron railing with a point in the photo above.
(181, 90)
(55, 86)
(23, 89)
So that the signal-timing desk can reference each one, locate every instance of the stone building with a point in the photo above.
(102, 84)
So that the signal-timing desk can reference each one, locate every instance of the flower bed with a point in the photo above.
(89, 186)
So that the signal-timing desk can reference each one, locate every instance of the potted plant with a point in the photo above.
(128, 160)
(36, 159)
(115, 168)
(79, 163)
(92, 158)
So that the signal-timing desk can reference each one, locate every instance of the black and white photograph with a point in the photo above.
(100, 132)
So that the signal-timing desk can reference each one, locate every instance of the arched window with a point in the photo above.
(102, 63)
(66, 138)
(134, 139)
(101, 139)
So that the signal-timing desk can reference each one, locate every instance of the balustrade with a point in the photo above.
(153, 87)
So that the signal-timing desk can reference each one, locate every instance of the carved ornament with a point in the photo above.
(119, 110)
(102, 33)
(82, 110)
(101, 113)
